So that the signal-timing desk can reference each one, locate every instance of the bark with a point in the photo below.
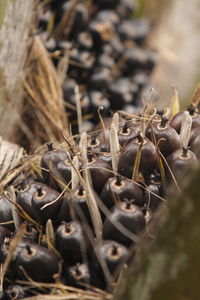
(15, 22)
(169, 268)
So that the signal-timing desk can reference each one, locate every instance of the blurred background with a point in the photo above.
(177, 39)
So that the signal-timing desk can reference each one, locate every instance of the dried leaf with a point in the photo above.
(114, 142)
(175, 103)
(10, 156)
(91, 202)
(186, 126)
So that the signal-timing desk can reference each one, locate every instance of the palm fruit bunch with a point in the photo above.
(73, 222)
(108, 57)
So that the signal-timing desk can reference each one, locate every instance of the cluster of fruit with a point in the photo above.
(83, 214)
(106, 50)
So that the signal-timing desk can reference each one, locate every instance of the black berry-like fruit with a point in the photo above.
(44, 196)
(100, 172)
(16, 292)
(4, 232)
(46, 158)
(38, 262)
(78, 276)
(130, 217)
(127, 133)
(148, 157)
(177, 119)
(180, 162)
(154, 190)
(71, 242)
(75, 207)
(111, 255)
(162, 133)
(119, 188)
(194, 142)
(24, 197)
(6, 212)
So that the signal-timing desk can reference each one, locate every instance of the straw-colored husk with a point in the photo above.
(44, 96)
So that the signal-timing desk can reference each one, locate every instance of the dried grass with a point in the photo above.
(44, 96)
(10, 157)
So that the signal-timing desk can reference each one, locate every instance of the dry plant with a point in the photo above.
(45, 104)
(10, 159)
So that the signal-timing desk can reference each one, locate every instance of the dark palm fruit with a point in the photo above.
(100, 172)
(101, 31)
(56, 4)
(84, 40)
(148, 157)
(105, 145)
(138, 59)
(4, 251)
(72, 242)
(136, 123)
(31, 234)
(70, 98)
(100, 78)
(94, 143)
(44, 19)
(24, 197)
(141, 79)
(80, 64)
(49, 42)
(61, 171)
(127, 133)
(154, 189)
(129, 108)
(69, 91)
(99, 148)
(119, 188)
(88, 275)
(115, 48)
(108, 15)
(162, 132)
(104, 138)
(75, 206)
(64, 46)
(4, 247)
(6, 212)
(16, 292)
(125, 8)
(181, 161)
(98, 99)
(177, 119)
(4, 232)
(38, 262)
(105, 60)
(110, 253)
(194, 142)
(78, 276)
(45, 195)
(120, 93)
(128, 215)
(136, 30)
(3, 296)
(107, 122)
(46, 160)
(106, 3)
(80, 19)
(105, 156)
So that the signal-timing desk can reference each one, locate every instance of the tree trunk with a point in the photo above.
(15, 23)
(169, 268)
